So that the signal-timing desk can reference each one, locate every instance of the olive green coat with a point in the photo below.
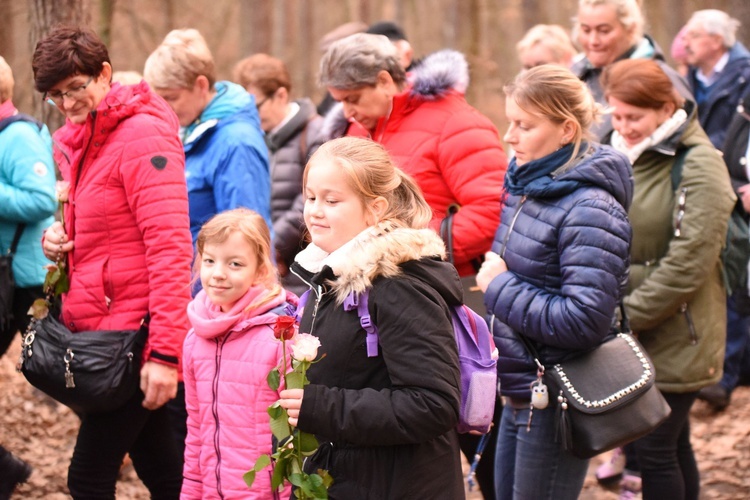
(676, 297)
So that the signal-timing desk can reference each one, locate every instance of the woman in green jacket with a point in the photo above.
(676, 298)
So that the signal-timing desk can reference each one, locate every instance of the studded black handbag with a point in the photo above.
(606, 398)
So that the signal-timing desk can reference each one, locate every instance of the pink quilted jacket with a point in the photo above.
(227, 359)
(128, 216)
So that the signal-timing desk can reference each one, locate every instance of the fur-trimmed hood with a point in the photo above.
(434, 76)
(381, 252)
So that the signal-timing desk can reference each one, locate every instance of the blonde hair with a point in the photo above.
(181, 58)
(6, 81)
(629, 14)
(558, 95)
(373, 174)
(127, 77)
(551, 36)
(254, 229)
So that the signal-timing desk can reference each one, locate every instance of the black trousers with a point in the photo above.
(103, 440)
(665, 456)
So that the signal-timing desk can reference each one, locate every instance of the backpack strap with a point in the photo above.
(297, 312)
(360, 301)
(679, 162)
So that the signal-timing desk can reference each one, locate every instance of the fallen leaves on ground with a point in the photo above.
(43, 433)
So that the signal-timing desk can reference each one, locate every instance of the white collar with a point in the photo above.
(313, 258)
(664, 130)
(291, 110)
(711, 78)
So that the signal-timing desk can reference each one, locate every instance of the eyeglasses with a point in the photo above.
(260, 103)
(57, 97)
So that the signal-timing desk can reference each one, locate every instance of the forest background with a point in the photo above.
(486, 31)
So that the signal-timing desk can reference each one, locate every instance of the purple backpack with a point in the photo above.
(477, 359)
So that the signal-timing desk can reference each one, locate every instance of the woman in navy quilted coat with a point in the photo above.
(557, 267)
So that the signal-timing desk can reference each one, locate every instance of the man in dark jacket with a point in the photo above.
(719, 73)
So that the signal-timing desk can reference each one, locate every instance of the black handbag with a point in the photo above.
(606, 397)
(90, 371)
(8, 282)
(473, 296)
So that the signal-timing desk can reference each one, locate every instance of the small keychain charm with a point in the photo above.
(539, 395)
(69, 381)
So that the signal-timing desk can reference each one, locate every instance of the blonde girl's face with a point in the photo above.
(533, 136)
(334, 213)
(228, 270)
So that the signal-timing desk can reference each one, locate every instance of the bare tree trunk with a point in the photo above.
(106, 12)
(7, 48)
(256, 25)
(740, 9)
(44, 14)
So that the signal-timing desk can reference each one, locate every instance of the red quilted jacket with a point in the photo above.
(128, 217)
(451, 150)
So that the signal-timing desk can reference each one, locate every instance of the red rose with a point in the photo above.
(284, 329)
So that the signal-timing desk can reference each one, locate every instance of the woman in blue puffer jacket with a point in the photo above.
(557, 268)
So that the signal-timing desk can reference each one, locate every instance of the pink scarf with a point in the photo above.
(7, 109)
(209, 321)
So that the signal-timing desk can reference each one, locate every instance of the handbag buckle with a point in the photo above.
(69, 381)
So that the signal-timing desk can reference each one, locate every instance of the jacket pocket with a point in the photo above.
(685, 310)
(107, 286)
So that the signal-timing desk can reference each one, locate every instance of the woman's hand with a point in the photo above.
(744, 192)
(291, 401)
(492, 266)
(158, 383)
(55, 242)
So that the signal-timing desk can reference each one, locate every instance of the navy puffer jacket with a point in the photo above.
(567, 252)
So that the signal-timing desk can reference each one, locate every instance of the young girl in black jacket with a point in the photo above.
(386, 423)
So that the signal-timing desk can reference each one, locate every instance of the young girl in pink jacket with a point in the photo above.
(227, 357)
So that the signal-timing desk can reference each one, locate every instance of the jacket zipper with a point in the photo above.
(681, 202)
(318, 297)
(691, 326)
(215, 410)
(512, 224)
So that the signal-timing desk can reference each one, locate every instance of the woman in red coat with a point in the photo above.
(127, 242)
(423, 120)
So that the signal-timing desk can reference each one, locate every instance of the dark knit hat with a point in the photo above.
(387, 28)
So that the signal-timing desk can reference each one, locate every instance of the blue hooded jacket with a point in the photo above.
(567, 251)
(226, 158)
(27, 195)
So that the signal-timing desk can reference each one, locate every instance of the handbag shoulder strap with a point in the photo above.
(16, 238)
(624, 328)
(446, 230)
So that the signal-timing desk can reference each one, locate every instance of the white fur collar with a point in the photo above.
(377, 251)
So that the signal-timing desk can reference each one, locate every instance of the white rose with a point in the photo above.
(62, 189)
(305, 347)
